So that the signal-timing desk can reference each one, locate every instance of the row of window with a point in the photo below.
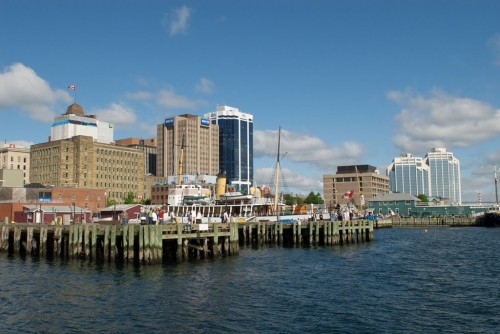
(12, 159)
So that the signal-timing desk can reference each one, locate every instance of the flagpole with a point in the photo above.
(73, 88)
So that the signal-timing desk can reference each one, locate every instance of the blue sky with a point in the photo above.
(347, 81)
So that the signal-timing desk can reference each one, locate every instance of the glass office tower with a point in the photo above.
(235, 146)
(409, 174)
(445, 175)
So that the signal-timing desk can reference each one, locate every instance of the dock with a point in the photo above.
(149, 244)
(447, 221)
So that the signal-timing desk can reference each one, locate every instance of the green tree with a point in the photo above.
(423, 198)
(289, 199)
(110, 202)
(313, 198)
(130, 199)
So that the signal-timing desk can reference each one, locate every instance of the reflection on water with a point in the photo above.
(404, 281)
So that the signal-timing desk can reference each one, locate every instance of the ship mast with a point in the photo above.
(358, 180)
(277, 173)
(496, 186)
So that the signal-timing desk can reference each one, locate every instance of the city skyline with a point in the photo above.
(348, 82)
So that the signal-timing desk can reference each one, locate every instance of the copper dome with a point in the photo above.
(75, 109)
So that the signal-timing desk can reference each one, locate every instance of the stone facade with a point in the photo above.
(81, 162)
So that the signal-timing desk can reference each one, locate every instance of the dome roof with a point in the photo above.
(75, 109)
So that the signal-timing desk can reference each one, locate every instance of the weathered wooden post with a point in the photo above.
(141, 243)
(17, 239)
(179, 242)
(112, 243)
(106, 243)
(233, 238)
(311, 226)
(93, 242)
(29, 239)
(131, 238)
(87, 241)
(124, 232)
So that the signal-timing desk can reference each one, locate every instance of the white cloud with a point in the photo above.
(442, 120)
(178, 21)
(494, 44)
(139, 96)
(205, 86)
(295, 182)
(117, 114)
(19, 143)
(306, 149)
(22, 88)
(167, 98)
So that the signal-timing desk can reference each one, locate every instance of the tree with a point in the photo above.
(313, 198)
(110, 202)
(423, 198)
(289, 199)
(130, 199)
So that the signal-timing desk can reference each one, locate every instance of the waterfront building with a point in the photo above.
(362, 181)
(410, 175)
(394, 204)
(187, 145)
(81, 162)
(235, 146)
(14, 158)
(148, 146)
(86, 157)
(75, 123)
(444, 175)
(32, 202)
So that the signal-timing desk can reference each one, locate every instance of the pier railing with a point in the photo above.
(156, 243)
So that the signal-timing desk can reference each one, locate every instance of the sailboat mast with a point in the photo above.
(277, 173)
(496, 186)
(359, 187)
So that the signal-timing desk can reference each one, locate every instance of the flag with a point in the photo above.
(72, 87)
(348, 194)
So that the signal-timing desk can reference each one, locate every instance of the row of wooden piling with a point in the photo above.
(155, 243)
(311, 233)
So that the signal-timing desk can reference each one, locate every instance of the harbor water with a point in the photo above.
(439, 280)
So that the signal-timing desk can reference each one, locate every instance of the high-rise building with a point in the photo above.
(444, 175)
(364, 181)
(409, 174)
(187, 145)
(81, 162)
(81, 154)
(12, 157)
(75, 123)
(235, 146)
(149, 148)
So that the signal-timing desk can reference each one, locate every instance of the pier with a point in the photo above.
(447, 221)
(148, 244)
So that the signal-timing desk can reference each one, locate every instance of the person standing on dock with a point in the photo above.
(150, 216)
(161, 214)
(123, 218)
(173, 220)
(155, 217)
(225, 217)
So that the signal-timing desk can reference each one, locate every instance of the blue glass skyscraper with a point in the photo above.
(235, 146)
(409, 174)
(445, 175)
